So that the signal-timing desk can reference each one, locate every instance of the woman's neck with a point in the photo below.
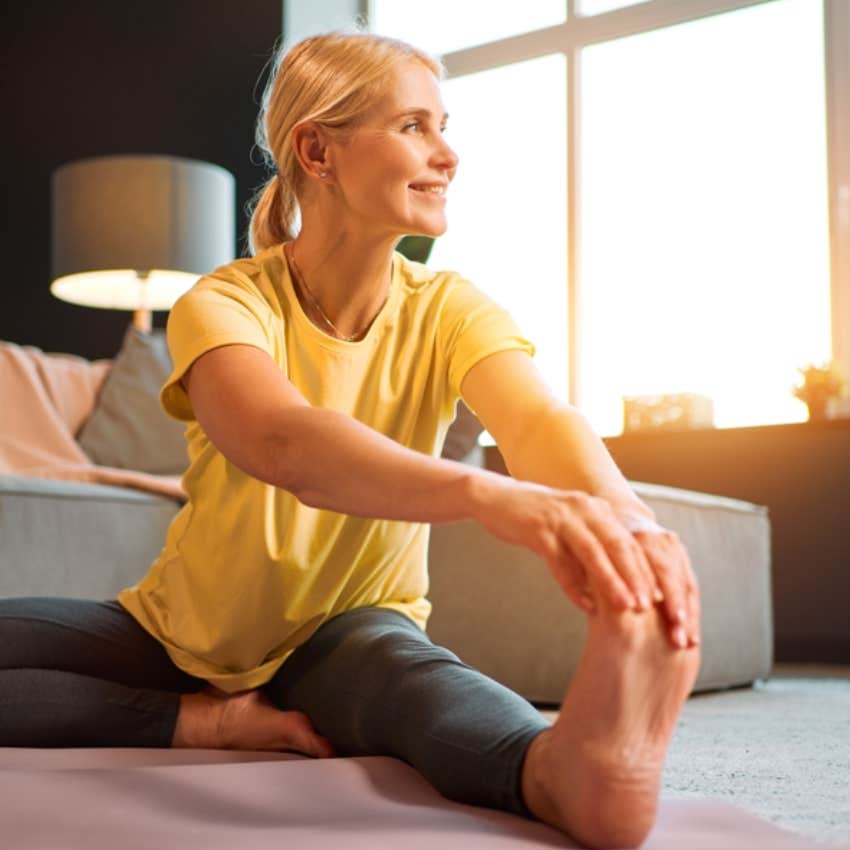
(349, 280)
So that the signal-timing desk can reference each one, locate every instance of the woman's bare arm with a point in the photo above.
(262, 424)
(541, 438)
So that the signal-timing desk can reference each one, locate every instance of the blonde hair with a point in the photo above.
(331, 79)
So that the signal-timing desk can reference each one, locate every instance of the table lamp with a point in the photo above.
(135, 232)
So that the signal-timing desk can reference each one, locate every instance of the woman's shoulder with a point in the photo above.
(265, 265)
(419, 278)
(444, 289)
(256, 277)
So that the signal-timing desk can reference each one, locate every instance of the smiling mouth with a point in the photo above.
(429, 188)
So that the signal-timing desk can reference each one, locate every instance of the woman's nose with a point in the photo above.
(444, 156)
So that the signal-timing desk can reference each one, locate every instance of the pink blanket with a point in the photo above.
(45, 400)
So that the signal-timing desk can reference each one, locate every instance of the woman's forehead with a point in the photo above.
(413, 88)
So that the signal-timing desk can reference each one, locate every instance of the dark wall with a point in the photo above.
(180, 77)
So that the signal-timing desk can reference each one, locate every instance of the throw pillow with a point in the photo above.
(128, 428)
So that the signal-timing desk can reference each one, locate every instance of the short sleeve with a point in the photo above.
(473, 327)
(214, 312)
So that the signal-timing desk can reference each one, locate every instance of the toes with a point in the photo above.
(303, 737)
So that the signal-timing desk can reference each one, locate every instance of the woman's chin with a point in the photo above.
(432, 229)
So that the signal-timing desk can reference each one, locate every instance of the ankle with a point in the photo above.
(198, 721)
(535, 781)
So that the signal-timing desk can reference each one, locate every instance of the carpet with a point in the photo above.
(780, 749)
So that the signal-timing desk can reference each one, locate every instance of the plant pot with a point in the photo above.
(817, 409)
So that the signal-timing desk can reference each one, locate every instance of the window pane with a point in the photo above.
(704, 249)
(441, 26)
(596, 7)
(507, 204)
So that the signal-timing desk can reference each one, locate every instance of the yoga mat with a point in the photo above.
(103, 799)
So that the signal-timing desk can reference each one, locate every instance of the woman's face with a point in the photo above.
(393, 171)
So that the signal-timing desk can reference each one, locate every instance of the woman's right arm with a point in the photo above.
(263, 425)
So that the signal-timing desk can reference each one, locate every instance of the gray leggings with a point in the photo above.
(79, 673)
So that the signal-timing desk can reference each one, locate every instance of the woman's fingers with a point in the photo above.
(627, 557)
(670, 563)
(598, 538)
(568, 572)
(693, 600)
(593, 553)
(604, 555)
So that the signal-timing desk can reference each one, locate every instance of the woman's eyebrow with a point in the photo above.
(419, 111)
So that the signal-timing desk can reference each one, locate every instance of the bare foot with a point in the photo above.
(596, 774)
(247, 720)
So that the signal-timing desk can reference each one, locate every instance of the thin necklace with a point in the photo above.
(306, 289)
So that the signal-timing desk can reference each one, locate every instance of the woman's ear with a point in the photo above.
(311, 148)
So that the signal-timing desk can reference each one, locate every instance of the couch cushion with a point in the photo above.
(86, 541)
(128, 428)
(462, 436)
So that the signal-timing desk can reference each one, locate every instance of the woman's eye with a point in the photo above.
(412, 125)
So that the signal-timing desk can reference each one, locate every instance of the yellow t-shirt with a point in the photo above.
(248, 572)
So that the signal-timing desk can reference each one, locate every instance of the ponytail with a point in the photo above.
(273, 215)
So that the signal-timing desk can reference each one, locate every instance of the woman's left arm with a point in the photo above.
(549, 442)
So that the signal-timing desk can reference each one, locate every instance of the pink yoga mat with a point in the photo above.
(107, 799)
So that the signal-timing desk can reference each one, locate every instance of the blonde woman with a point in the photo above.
(318, 377)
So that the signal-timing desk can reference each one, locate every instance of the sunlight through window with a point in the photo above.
(704, 248)
(507, 204)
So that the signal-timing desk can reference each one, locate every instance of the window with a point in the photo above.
(704, 251)
(700, 203)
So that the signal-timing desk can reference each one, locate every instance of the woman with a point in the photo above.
(318, 379)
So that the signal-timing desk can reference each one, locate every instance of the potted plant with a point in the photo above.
(820, 385)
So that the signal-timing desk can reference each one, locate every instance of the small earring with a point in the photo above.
(323, 174)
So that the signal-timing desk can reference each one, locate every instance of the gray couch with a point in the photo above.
(495, 605)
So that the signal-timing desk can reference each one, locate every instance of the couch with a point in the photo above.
(91, 527)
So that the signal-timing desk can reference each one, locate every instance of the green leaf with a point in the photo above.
(416, 248)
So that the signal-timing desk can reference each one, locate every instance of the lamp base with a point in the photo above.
(143, 320)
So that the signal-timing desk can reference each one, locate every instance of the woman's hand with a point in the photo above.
(671, 566)
(592, 552)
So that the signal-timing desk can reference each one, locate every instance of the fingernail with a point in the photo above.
(680, 615)
(642, 601)
(679, 637)
(658, 596)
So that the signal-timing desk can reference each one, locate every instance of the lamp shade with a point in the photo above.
(135, 232)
